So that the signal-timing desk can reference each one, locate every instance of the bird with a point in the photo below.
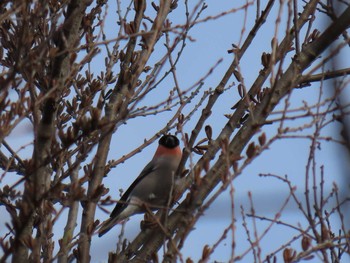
(152, 188)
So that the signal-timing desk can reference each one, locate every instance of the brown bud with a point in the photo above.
(251, 150)
(202, 147)
(180, 118)
(265, 59)
(241, 90)
(262, 139)
(288, 255)
(121, 55)
(325, 233)
(72, 58)
(129, 28)
(147, 68)
(208, 132)
(313, 36)
(197, 151)
(139, 5)
(98, 192)
(201, 141)
(138, 82)
(305, 243)
(206, 252)
(173, 5)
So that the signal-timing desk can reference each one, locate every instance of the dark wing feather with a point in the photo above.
(122, 204)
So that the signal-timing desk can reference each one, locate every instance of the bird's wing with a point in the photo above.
(122, 204)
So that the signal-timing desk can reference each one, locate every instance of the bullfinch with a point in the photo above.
(152, 188)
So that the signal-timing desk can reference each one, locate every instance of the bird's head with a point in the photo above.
(169, 146)
(169, 141)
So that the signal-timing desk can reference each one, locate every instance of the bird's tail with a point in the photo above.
(106, 226)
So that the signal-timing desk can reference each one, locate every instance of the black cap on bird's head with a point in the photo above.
(169, 141)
